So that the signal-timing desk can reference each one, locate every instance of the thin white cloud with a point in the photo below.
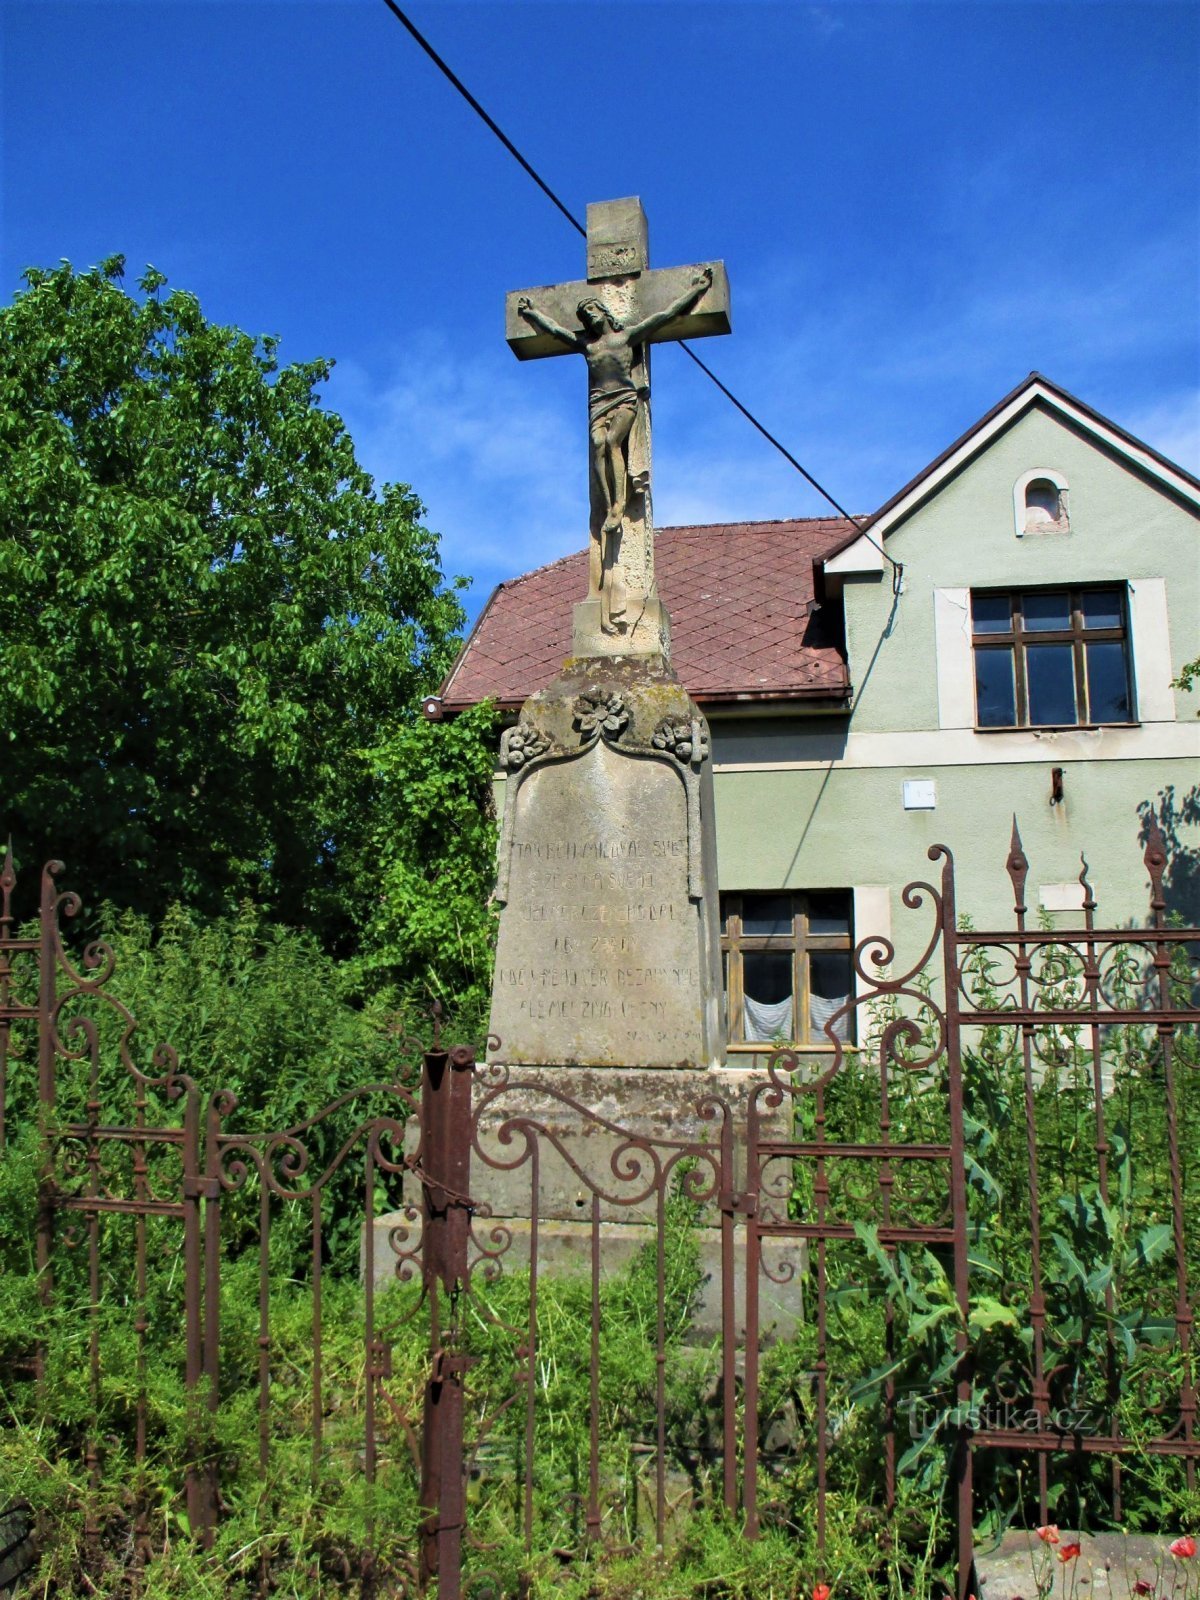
(496, 462)
(823, 21)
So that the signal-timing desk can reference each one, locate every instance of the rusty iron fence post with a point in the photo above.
(753, 1247)
(445, 1165)
(201, 1309)
(191, 1192)
(729, 1204)
(963, 1461)
(47, 987)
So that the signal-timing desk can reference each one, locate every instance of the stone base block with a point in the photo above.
(1107, 1568)
(555, 1138)
(564, 1248)
(647, 631)
(582, 1121)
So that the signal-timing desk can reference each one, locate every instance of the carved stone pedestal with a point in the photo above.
(609, 947)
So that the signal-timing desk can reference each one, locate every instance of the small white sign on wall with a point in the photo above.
(920, 794)
(1060, 896)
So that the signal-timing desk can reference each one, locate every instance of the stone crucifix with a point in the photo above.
(610, 319)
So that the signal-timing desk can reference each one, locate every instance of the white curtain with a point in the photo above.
(819, 1013)
(767, 1022)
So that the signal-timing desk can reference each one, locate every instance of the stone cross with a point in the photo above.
(610, 318)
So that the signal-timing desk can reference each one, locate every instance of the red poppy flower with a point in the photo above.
(1048, 1533)
(1069, 1552)
(821, 1591)
(1184, 1546)
(1140, 1586)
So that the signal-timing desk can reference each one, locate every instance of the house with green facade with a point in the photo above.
(1000, 640)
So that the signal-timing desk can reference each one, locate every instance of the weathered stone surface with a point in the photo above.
(618, 239)
(587, 1148)
(580, 1145)
(599, 955)
(653, 293)
(609, 945)
(1108, 1566)
(647, 633)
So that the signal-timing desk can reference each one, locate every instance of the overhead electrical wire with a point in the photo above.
(453, 78)
(480, 112)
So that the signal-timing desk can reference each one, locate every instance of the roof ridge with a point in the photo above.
(755, 522)
(547, 566)
(678, 527)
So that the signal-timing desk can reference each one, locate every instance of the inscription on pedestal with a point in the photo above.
(600, 951)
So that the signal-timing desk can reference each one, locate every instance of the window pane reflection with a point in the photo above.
(991, 613)
(1108, 689)
(1042, 612)
(829, 913)
(830, 983)
(995, 698)
(767, 915)
(1101, 608)
(767, 995)
(1050, 671)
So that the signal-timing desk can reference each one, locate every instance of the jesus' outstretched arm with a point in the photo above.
(547, 324)
(683, 302)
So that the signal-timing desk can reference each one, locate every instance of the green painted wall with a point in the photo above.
(848, 826)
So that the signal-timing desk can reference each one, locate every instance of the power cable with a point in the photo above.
(783, 451)
(480, 112)
(457, 83)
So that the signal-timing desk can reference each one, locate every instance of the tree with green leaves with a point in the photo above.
(213, 622)
(431, 916)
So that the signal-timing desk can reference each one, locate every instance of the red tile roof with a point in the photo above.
(738, 596)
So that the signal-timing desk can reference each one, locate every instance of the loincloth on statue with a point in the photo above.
(611, 403)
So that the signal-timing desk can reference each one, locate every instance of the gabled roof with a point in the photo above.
(1035, 390)
(738, 595)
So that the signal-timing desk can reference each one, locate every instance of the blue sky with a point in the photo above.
(917, 205)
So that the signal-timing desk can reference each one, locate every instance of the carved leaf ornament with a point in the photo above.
(600, 715)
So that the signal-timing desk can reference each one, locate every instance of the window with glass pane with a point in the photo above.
(788, 971)
(1051, 658)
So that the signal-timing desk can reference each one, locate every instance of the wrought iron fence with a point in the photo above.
(934, 1281)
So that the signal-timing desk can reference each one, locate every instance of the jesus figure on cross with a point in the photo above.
(616, 389)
